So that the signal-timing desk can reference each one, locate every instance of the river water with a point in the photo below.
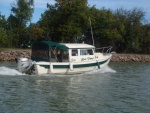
(118, 88)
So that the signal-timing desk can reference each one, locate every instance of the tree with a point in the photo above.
(18, 20)
(104, 30)
(145, 40)
(3, 32)
(66, 19)
(3, 38)
(35, 32)
(3, 21)
(130, 27)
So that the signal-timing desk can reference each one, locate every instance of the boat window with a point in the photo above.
(62, 56)
(74, 52)
(59, 55)
(83, 52)
(90, 51)
(86, 52)
(53, 52)
(65, 55)
(40, 52)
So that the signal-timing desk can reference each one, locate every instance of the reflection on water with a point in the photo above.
(122, 88)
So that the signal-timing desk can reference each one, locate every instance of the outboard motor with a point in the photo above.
(24, 65)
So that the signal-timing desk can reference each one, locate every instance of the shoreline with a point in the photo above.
(12, 55)
(130, 58)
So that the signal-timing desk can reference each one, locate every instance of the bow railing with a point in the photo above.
(104, 49)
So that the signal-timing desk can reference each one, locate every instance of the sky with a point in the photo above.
(40, 6)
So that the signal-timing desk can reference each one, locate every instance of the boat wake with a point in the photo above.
(8, 71)
(105, 69)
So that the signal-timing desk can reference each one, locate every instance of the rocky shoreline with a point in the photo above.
(130, 58)
(12, 55)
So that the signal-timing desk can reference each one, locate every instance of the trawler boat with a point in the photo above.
(63, 58)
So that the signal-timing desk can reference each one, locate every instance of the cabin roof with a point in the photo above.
(64, 46)
(77, 45)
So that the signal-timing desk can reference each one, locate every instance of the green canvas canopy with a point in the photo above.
(40, 50)
(50, 44)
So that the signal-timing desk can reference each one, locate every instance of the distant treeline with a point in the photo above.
(75, 21)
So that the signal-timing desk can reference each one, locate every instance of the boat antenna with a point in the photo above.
(91, 31)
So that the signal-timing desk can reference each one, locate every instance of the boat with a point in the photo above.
(49, 57)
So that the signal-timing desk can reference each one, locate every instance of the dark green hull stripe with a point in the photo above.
(74, 66)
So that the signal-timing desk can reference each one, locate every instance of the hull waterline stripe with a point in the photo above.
(76, 65)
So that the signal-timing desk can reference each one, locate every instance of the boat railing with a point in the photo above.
(105, 50)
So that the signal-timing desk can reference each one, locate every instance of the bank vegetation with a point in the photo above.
(72, 21)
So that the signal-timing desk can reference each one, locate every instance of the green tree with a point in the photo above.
(35, 32)
(66, 20)
(134, 26)
(18, 20)
(3, 21)
(3, 32)
(145, 40)
(3, 38)
(104, 30)
(130, 27)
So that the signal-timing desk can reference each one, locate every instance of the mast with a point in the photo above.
(91, 31)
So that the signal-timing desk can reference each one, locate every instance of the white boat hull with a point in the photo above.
(68, 68)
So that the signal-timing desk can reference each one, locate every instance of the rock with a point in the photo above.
(12, 55)
(130, 58)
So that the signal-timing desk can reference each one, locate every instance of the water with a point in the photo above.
(119, 88)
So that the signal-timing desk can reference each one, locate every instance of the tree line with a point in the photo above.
(75, 21)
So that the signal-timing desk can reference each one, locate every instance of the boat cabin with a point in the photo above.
(61, 52)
